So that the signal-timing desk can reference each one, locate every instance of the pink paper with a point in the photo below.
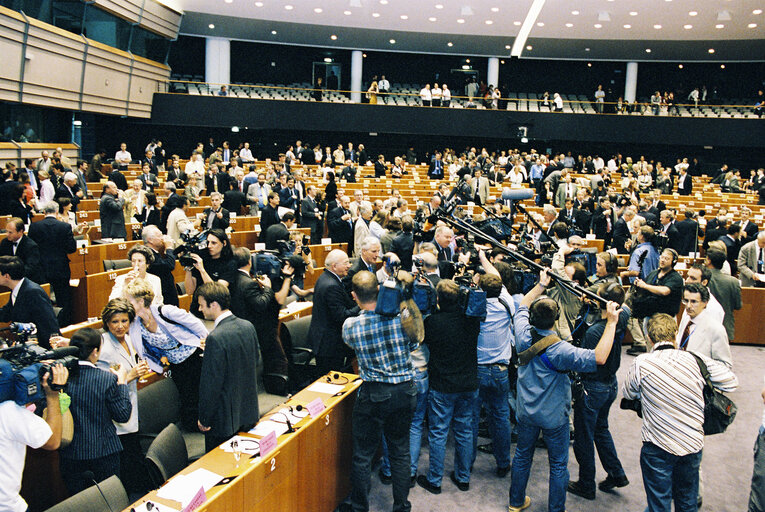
(267, 443)
(315, 407)
(196, 501)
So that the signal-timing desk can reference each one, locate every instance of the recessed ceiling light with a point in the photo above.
(598, 25)
(657, 27)
(375, 14)
(587, 49)
(680, 66)
(752, 25)
(722, 66)
(258, 4)
(449, 44)
(589, 64)
(273, 32)
(687, 27)
(575, 13)
(627, 26)
(719, 25)
(495, 9)
(711, 50)
(228, 1)
(404, 17)
(288, 7)
(569, 25)
(432, 19)
(757, 11)
(488, 22)
(529, 47)
(502, 62)
(517, 23)
(633, 13)
(347, 13)
(333, 37)
(507, 47)
(383, 2)
(364, 55)
(540, 24)
(392, 41)
(692, 13)
(648, 50)
(327, 59)
(439, 6)
(467, 60)
(318, 10)
(460, 20)
(211, 26)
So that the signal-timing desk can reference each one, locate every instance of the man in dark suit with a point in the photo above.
(437, 168)
(655, 204)
(732, 243)
(28, 302)
(148, 179)
(269, 216)
(172, 202)
(70, 190)
(666, 219)
(228, 394)
(349, 172)
(216, 216)
(16, 243)
(332, 305)
(367, 260)
(163, 264)
(726, 289)
(340, 223)
(603, 221)
(380, 168)
(55, 240)
(688, 229)
(216, 181)
(684, 183)
(279, 231)
(574, 216)
(255, 301)
(117, 177)
(622, 232)
(748, 228)
(110, 210)
(81, 172)
(289, 196)
(310, 216)
(176, 175)
(363, 157)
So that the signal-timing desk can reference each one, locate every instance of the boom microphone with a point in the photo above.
(517, 194)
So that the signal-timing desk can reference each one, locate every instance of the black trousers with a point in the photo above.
(73, 471)
(132, 466)
(186, 376)
(63, 299)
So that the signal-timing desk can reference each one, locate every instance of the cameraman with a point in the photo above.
(19, 428)
(544, 390)
(215, 264)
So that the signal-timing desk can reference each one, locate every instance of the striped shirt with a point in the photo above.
(669, 385)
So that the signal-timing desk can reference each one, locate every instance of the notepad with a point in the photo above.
(183, 488)
(266, 427)
(325, 388)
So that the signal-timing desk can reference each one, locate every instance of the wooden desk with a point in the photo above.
(307, 471)
(92, 293)
(90, 260)
(748, 327)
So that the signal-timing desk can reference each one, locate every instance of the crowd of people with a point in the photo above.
(432, 370)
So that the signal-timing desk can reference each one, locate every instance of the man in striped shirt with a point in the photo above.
(669, 385)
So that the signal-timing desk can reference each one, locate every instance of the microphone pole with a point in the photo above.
(536, 224)
(89, 475)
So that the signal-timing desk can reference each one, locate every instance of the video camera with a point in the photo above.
(23, 365)
(194, 242)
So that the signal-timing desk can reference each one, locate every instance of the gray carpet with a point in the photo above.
(727, 463)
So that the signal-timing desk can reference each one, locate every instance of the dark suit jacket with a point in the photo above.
(268, 217)
(688, 240)
(163, 267)
(5, 192)
(332, 305)
(733, 246)
(274, 233)
(715, 223)
(403, 246)
(349, 174)
(55, 240)
(97, 399)
(112, 217)
(599, 225)
(687, 187)
(581, 219)
(32, 305)
(357, 265)
(178, 177)
(233, 200)
(750, 233)
(620, 236)
(289, 199)
(339, 230)
(149, 181)
(29, 253)
(380, 169)
(727, 291)
(221, 223)
(228, 393)
(119, 179)
(62, 191)
(223, 183)
(675, 240)
(149, 217)
(308, 212)
(437, 174)
(173, 202)
(22, 211)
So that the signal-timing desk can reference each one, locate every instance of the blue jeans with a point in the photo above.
(454, 409)
(382, 409)
(557, 440)
(415, 431)
(668, 477)
(493, 389)
(591, 425)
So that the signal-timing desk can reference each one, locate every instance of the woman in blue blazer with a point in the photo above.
(98, 399)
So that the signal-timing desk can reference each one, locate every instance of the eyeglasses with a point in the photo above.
(690, 301)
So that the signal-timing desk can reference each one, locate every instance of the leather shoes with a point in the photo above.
(385, 479)
(413, 481)
(636, 349)
(502, 472)
(462, 486)
(423, 482)
(526, 504)
(610, 483)
(579, 490)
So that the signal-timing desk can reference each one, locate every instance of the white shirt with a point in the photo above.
(19, 428)
(447, 94)
(123, 156)
(223, 315)
(383, 85)
(246, 155)
(436, 92)
(558, 102)
(15, 292)
(195, 167)
(425, 94)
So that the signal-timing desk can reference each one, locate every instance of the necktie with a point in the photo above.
(686, 335)
(371, 268)
(215, 182)
(15, 247)
(761, 261)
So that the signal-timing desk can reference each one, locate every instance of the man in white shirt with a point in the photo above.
(425, 95)
(698, 332)
(435, 95)
(598, 163)
(245, 154)
(383, 85)
(178, 222)
(19, 428)
(123, 157)
(446, 96)
(196, 166)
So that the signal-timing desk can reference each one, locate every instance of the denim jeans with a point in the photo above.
(668, 477)
(454, 409)
(493, 389)
(557, 440)
(757, 494)
(415, 431)
(382, 409)
(591, 425)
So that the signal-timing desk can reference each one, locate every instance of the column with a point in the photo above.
(217, 61)
(357, 65)
(492, 72)
(630, 82)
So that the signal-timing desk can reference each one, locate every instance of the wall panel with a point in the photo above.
(11, 42)
(149, 14)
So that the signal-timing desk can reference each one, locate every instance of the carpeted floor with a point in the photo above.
(727, 463)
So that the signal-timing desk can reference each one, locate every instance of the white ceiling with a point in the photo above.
(507, 16)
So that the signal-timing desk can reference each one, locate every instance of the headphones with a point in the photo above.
(334, 377)
(612, 264)
(533, 318)
(674, 255)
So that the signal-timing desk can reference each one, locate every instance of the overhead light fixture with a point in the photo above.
(687, 27)
(228, 1)
(439, 6)
(364, 55)
(517, 23)
(633, 13)
(258, 4)
(598, 25)
(495, 9)
(383, 2)
(375, 14)
(757, 11)
(529, 47)
(460, 20)
(392, 41)
(273, 32)
(587, 49)
(722, 66)
(589, 64)
(234, 129)
(488, 22)
(719, 25)
(648, 50)
(575, 13)
(692, 13)
(288, 7)
(657, 27)
(569, 25)
(467, 60)
(404, 17)
(347, 13)
(432, 18)
(627, 26)
(711, 50)
(502, 61)
(327, 59)
(211, 26)
(449, 44)
(540, 24)
(318, 10)
(507, 47)
(752, 25)
(465, 66)
(333, 37)
(680, 66)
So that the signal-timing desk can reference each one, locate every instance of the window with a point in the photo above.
(148, 44)
(106, 28)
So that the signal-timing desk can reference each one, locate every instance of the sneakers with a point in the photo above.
(578, 489)
(486, 448)
(526, 504)
(610, 483)
(422, 481)
(462, 486)
(636, 350)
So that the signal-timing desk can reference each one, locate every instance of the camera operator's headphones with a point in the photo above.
(612, 264)
(674, 255)
(533, 318)
(606, 292)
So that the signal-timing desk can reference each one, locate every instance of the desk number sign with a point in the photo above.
(196, 501)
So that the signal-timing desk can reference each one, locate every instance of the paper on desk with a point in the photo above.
(296, 306)
(293, 416)
(323, 387)
(247, 445)
(266, 427)
(183, 488)
(156, 508)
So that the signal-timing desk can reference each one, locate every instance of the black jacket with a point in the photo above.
(331, 307)
(112, 217)
(55, 240)
(687, 229)
(163, 267)
(223, 183)
(29, 253)
(119, 179)
(32, 305)
(268, 217)
(221, 223)
(341, 231)
(275, 233)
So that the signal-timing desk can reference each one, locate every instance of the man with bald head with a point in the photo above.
(110, 209)
(331, 306)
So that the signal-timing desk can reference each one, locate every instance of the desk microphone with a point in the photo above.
(290, 428)
(88, 475)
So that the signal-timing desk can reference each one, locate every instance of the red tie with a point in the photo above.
(686, 335)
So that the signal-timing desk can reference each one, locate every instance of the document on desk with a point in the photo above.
(247, 445)
(183, 488)
(155, 507)
(266, 427)
(325, 388)
(296, 306)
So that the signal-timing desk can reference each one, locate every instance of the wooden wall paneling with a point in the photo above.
(12, 29)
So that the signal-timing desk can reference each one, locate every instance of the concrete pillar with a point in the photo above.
(630, 82)
(492, 72)
(217, 61)
(357, 66)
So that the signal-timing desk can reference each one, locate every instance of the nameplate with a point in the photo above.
(199, 498)
(589, 236)
(260, 246)
(315, 407)
(267, 443)
(326, 241)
